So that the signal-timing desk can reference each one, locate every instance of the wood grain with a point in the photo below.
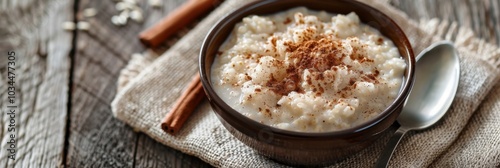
(483, 17)
(96, 138)
(93, 137)
(32, 29)
(152, 154)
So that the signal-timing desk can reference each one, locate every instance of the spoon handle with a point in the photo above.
(384, 158)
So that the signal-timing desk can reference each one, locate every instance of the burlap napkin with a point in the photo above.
(468, 136)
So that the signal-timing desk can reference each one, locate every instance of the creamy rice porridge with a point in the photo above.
(307, 71)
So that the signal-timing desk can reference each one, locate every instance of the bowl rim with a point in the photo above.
(211, 94)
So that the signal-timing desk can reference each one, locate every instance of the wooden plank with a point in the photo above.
(96, 138)
(32, 29)
(494, 9)
(119, 40)
(483, 17)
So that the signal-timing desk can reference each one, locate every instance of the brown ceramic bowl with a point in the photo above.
(302, 148)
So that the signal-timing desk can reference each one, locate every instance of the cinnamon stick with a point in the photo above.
(184, 106)
(174, 21)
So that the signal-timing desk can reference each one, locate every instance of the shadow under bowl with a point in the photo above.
(302, 148)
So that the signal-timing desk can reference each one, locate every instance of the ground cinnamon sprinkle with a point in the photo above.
(298, 67)
(287, 21)
(315, 55)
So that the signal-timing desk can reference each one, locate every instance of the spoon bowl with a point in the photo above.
(436, 83)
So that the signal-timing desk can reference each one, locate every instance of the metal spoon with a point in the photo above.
(436, 82)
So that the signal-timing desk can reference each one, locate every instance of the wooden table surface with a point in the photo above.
(66, 80)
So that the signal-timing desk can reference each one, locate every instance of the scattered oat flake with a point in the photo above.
(89, 12)
(155, 3)
(118, 20)
(132, 2)
(136, 15)
(128, 9)
(69, 26)
(136, 55)
(83, 25)
(125, 14)
(120, 6)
